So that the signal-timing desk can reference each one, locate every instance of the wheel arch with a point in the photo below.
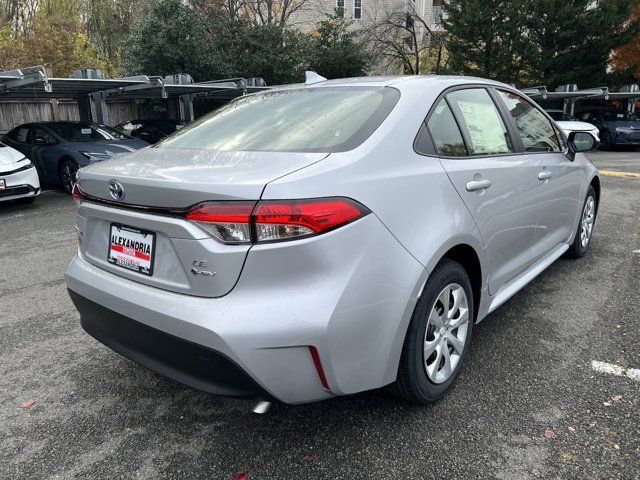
(467, 256)
(63, 159)
(595, 183)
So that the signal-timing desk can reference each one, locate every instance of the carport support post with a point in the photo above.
(569, 104)
(98, 104)
(631, 102)
(185, 107)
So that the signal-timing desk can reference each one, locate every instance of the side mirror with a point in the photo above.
(581, 142)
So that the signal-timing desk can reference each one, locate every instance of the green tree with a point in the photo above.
(171, 38)
(333, 50)
(485, 37)
(548, 42)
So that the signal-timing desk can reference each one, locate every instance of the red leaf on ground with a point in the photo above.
(548, 433)
(27, 404)
(310, 458)
(240, 476)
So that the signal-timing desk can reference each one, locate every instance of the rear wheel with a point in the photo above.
(68, 174)
(583, 236)
(438, 336)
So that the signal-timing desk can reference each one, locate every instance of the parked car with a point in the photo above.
(18, 177)
(151, 130)
(617, 127)
(59, 149)
(326, 239)
(568, 123)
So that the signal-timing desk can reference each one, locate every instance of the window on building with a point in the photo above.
(357, 9)
(340, 8)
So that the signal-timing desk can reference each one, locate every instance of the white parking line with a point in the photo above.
(603, 367)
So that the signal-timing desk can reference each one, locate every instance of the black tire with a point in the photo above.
(605, 141)
(412, 382)
(26, 201)
(67, 174)
(577, 249)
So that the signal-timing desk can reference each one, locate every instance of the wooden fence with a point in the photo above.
(14, 112)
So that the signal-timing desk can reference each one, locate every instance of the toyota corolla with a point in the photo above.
(329, 238)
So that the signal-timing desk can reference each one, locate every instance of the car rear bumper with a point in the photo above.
(330, 292)
(22, 184)
(186, 362)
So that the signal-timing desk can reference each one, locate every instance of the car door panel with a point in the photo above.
(559, 179)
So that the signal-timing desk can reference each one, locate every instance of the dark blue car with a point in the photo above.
(59, 149)
(617, 127)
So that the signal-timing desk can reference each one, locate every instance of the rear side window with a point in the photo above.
(444, 131)
(479, 117)
(536, 130)
(322, 119)
(40, 136)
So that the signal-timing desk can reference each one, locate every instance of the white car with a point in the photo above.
(18, 177)
(569, 123)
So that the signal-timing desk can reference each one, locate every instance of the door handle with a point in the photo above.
(474, 185)
(545, 175)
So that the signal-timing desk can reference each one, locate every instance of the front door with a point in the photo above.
(498, 185)
(560, 181)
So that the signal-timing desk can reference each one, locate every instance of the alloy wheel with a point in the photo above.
(446, 333)
(68, 175)
(588, 217)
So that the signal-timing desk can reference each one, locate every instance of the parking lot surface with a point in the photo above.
(529, 402)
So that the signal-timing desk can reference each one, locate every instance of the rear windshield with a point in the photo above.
(620, 115)
(78, 132)
(302, 120)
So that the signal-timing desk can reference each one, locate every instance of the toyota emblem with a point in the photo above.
(116, 190)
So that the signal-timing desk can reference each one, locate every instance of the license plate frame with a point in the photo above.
(126, 258)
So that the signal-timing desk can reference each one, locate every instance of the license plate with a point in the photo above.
(3, 184)
(132, 248)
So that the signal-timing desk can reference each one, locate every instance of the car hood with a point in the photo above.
(570, 126)
(9, 156)
(109, 147)
(179, 178)
(623, 124)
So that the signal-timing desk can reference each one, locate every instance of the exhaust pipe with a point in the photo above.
(261, 407)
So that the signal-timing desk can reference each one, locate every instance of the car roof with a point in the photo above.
(399, 82)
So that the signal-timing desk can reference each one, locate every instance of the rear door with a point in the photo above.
(497, 183)
(560, 181)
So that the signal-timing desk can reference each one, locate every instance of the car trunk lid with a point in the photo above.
(179, 178)
(158, 186)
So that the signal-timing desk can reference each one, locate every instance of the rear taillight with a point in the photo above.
(229, 222)
(275, 220)
(77, 194)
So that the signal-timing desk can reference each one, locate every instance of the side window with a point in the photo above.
(486, 132)
(445, 133)
(19, 134)
(41, 137)
(536, 130)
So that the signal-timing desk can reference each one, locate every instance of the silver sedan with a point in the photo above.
(329, 238)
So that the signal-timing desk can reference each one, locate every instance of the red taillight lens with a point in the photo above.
(229, 222)
(77, 194)
(275, 220)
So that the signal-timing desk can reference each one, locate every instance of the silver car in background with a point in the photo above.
(327, 239)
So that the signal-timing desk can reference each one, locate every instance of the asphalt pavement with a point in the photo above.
(529, 403)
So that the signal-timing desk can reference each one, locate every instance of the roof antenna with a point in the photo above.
(311, 78)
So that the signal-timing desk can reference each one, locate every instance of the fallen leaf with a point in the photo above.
(27, 404)
(310, 458)
(616, 446)
(567, 457)
(548, 433)
(240, 476)
(606, 404)
(571, 429)
(615, 398)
